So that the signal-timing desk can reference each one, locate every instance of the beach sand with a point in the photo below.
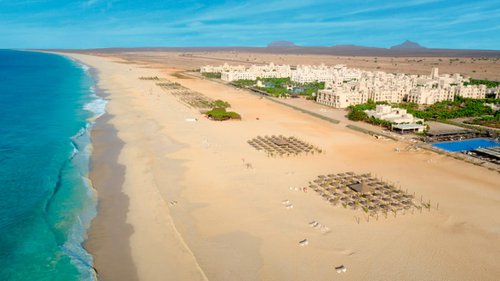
(178, 202)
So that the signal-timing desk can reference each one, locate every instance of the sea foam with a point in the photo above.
(83, 147)
(78, 233)
(97, 106)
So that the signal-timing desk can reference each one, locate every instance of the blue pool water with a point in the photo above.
(465, 145)
(46, 200)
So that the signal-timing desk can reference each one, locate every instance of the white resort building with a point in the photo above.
(394, 115)
(349, 86)
(422, 95)
(340, 98)
(233, 73)
(402, 120)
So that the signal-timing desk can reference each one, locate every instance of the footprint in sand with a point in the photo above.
(345, 252)
(287, 204)
(304, 242)
(319, 226)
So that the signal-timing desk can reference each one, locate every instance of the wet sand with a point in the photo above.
(109, 234)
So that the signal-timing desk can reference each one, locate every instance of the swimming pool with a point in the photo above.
(465, 145)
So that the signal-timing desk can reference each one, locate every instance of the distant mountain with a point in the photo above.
(281, 43)
(406, 49)
(408, 45)
(353, 47)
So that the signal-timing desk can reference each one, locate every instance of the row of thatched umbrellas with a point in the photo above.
(379, 196)
(170, 85)
(149, 78)
(280, 145)
(192, 98)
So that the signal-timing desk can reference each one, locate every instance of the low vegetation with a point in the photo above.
(488, 83)
(214, 75)
(220, 104)
(279, 87)
(460, 107)
(244, 83)
(487, 121)
(220, 114)
(357, 115)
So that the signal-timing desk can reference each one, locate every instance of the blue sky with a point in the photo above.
(118, 23)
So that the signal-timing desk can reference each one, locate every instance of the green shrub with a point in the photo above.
(357, 115)
(220, 114)
(220, 104)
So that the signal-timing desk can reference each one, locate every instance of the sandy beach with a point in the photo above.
(178, 200)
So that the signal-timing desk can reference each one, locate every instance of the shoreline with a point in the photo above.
(108, 233)
(111, 234)
(198, 212)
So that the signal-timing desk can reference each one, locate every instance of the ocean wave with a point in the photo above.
(75, 151)
(78, 232)
(72, 247)
(97, 106)
(82, 150)
(84, 67)
(74, 140)
(80, 133)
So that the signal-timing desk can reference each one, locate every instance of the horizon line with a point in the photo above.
(422, 49)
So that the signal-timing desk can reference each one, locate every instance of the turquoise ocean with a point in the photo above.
(47, 108)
